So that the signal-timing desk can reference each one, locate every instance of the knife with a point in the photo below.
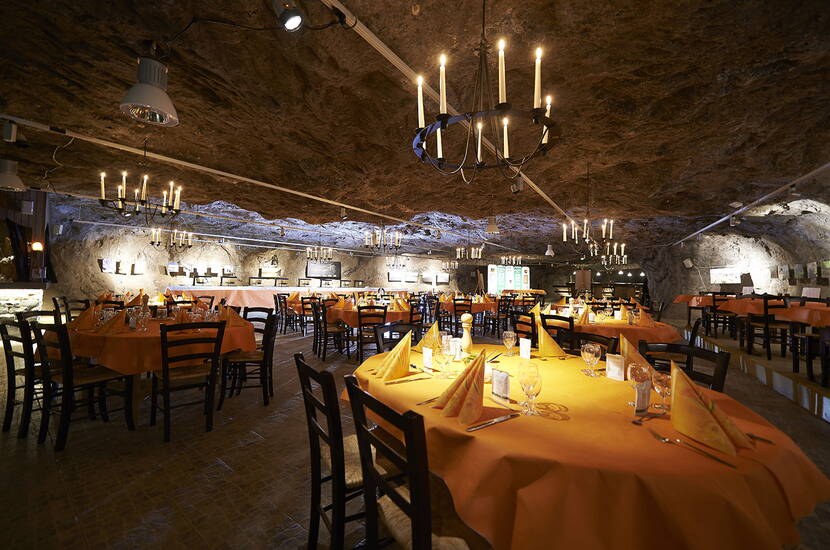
(404, 381)
(759, 438)
(491, 359)
(491, 422)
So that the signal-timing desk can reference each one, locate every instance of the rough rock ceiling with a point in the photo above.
(680, 108)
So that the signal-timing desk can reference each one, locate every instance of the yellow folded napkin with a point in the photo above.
(430, 339)
(85, 320)
(403, 305)
(631, 355)
(396, 363)
(547, 345)
(695, 415)
(465, 396)
(536, 311)
(115, 325)
(292, 297)
(340, 303)
(563, 301)
(583, 318)
(645, 320)
(161, 298)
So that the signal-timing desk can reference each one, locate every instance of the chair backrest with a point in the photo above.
(269, 336)
(189, 343)
(388, 335)
(411, 461)
(657, 309)
(811, 292)
(54, 316)
(562, 327)
(306, 302)
(503, 306)
(281, 303)
(462, 306)
(769, 309)
(369, 317)
(609, 345)
(694, 332)
(719, 359)
(71, 307)
(524, 325)
(258, 317)
(18, 344)
(206, 300)
(54, 352)
(416, 311)
(321, 401)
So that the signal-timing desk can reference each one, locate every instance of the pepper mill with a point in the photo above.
(467, 338)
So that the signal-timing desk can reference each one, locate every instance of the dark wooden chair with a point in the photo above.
(690, 309)
(288, 317)
(207, 300)
(713, 318)
(62, 376)
(524, 325)
(496, 321)
(388, 335)
(307, 315)
(368, 317)
(52, 317)
(563, 335)
(662, 361)
(431, 305)
(239, 366)
(334, 335)
(460, 307)
(258, 317)
(18, 345)
(416, 311)
(714, 378)
(189, 360)
(608, 345)
(72, 308)
(329, 449)
(770, 329)
(408, 503)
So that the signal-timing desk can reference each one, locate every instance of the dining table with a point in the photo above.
(475, 307)
(349, 316)
(582, 475)
(653, 332)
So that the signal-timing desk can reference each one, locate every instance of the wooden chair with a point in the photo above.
(368, 317)
(563, 335)
(18, 345)
(460, 307)
(207, 300)
(326, 334)
(388, 335)
(497, 320)
(72, 308)
(258, 317)
(716, 379)
(52, 317)
(288, 317)
(307, 314)
(406, 503)
(431, 305)
(524, 325)
(662, 361)
(768, 325)
(62, 376)
(416, 311)
(713, 318)
(328, 448)
(240, 365)
(608, 345)
(189, 360)
(689, 310)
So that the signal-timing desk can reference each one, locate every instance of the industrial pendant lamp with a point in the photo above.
(492, 227)
(9, 180)
(147, 101)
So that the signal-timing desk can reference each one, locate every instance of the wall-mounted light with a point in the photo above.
(37, 246)
(549, 251)
(642, 274)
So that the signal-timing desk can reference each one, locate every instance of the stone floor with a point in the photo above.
(245, 485)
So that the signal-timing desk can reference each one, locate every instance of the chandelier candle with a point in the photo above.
(537, 88)
(478, 146)
(564, 233)
(604, 227)
(144, 189)
(170, 195)
(103, 188)
(178, 201)
(502, 82)
(164, 203)
(545, 133)
(439, 149)
(611, 229)
(442, 107)
(421, 119)
(506, 143)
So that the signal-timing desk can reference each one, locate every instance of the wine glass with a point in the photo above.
(531, 382)
(508, 338)
(637, 374)
(662, 385)
(591, 353)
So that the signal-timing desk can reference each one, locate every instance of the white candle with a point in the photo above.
(443, 84)
(103, 188)
(171, 195)
(506, 142)
(181, 237)
(545, 135)
(564, 233)
(440, 151)
(622, 249)
(615, 249)
(478, 147)
(173, 237)
(124, 179)
(164, 203)
(611, 229)
(118, 195)
(144, 189)
(604, 226)
(421, 119)
(190, 239)
(537, 88)
(607, 249)
(502, 82)
(585, 228)
(178, 199)
(573, 230)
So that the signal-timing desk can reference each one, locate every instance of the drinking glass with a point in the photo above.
(531, 382)
(662, 385)
(637, 374)
(508, 338)
(142, 319)
(591, 353)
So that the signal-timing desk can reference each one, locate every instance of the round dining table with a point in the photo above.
(137, 351)
(582, 475)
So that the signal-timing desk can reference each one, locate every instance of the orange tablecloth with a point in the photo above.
(693, 300)
(135, 352)
(476, 307)
(744, 306)
(611, 328)
(585, 477)
(816, 315)
(349, 316)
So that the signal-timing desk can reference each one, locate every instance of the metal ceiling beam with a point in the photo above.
(372, 39)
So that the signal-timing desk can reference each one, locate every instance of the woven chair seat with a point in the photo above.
(182, 373)
(89, 375)
(444, 519)
(254, 356)
(773, 325)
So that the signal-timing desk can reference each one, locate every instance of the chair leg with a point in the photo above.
(795, 353)
(11, 394)
(314, 517)
(263, 381)
(768, 343)
(325, 344)
(783, 337)
(223, 383)
(67, 404)
(45, 413)
(90, 402)
(165, 397)
(129, 418)
(808, 360)
(210, 390)
(26, 411)
(102, 402)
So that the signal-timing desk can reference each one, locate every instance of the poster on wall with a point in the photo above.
(109, 265)
(410, 277)
(442, 278)
(507, 277)
(394, 276)
(172, 268)
(428, 277)
(725, 275)
(773, 272)
(812, 270)
(139, 268)
(783, 272)
(798, 270)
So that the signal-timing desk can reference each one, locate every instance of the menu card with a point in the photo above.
(614, 366)
(427, 353)
(501, 387)
(524, 348)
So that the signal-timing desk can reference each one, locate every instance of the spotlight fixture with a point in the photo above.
(517, 187)
(549, 251)
(688, 263)
(147, 101)
(492, 227)
(599, 274)
(629, 274)
(642, 274)
(9, 180)
(619, 272)
(289, 16)
(734, 220)
(793, 192)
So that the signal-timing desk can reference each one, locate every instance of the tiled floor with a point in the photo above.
(245, 485)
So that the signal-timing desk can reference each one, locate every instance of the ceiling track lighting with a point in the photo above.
(147, 101)
(9, 180)
(289, 16)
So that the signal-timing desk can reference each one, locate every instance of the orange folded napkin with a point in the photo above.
(465, 396)
(645, 320)
(292, 297)
(341, 302)
(563, 301)
(547, 345)
(631, 355)
(181, 317)
(430, 339)
(695, 415)
(105, 296)
(232, 318)
(137, 300)
(583, 318)
(85, 320)
(396, 363)
(116, 325)
(403, 305)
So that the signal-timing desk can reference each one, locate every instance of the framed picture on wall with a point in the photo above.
(410, 277)
(357, 283)
(783, 272)
(813, 271)
(303, 282)
(428, 277)
(139, 268)
(798, 271)
(773, 272)
(442, 278)
(109, 265)
(394, 276)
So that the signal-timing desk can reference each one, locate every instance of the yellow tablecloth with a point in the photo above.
(584, 477)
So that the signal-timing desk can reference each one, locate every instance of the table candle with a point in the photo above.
(611, 229)
(103, 188)
(502, 82)
(443, 84)
(440, 149)
(506, 142)
(537, 88)
(564, 233)
(144, 189)
(478, 147)
(421, 119)
(545, 133)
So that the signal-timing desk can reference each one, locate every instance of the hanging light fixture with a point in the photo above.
(126, 205)
(549, 251)
(318, 254)
(487, 117)
(178, 239)
(396, 262)
(147, 101)
(289, 16)
(449, 265)
(492, 227)
(381, 240)
(9, 180)
(511, 260)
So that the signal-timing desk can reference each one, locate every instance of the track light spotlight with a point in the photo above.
(289, 16)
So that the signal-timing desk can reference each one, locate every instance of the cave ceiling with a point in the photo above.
(679, 107)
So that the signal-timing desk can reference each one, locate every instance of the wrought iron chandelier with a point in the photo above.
(139, 203)
(449, 265)
(178, 239)
(382, 240)
(496, 117)
(396, 262)
(318, 254)
(511, 260)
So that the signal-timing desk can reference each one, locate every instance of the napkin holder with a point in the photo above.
(615, 366)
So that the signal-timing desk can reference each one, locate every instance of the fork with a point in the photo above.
(688, 445)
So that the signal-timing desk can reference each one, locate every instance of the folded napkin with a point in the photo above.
(232, 317)
(137, 300)
(695, 415)
(161, 298)
(292, 297)
(85, 320)
(646, 320)
(547, 345)
(536, 310)
(465, 396)
(583, 318)
(403, 305)
(105, 296)
(341, 303)
(563, 301)
(631, 355)
(430, 339)
(396, 363)
(116, 325)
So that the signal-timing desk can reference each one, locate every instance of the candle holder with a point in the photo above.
(126, 207)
